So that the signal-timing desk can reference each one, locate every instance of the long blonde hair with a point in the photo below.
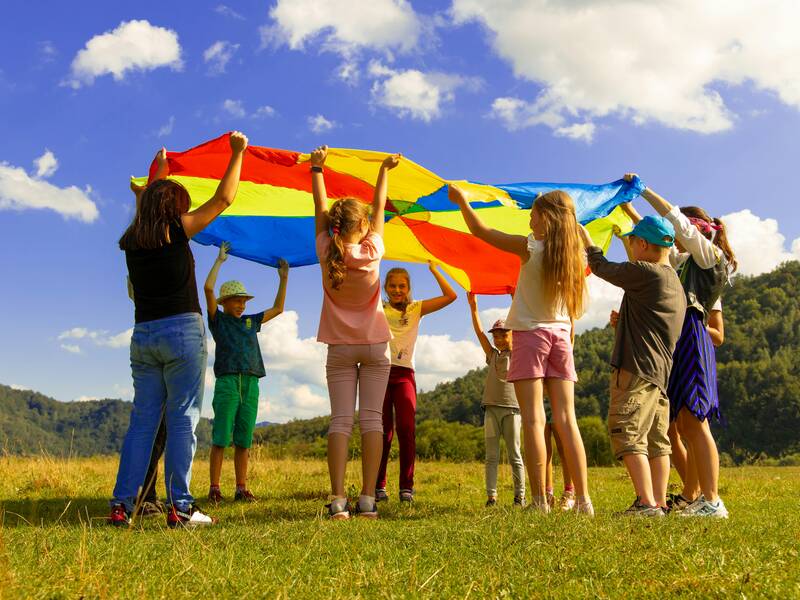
(345, 217)
(403, 273)
(563, 269)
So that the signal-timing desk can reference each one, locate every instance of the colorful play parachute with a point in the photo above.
(273, 215)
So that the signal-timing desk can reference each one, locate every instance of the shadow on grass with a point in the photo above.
(51, 511)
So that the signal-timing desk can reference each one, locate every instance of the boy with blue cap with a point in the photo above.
(650, 321)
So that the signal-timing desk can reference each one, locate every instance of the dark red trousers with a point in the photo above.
(399, 414)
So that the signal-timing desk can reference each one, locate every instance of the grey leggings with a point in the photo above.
(505, 422)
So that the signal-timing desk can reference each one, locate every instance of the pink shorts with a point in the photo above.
(541, 353)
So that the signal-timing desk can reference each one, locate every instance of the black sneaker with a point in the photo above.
(193, 517)
(519, 501)
(406, 495)
(381, 495)
(244, 496)
(148, 508)
(119, 517)
(491, 502)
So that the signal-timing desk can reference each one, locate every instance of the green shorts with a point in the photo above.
(235, 408)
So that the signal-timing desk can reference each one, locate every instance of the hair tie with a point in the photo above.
(704, 225)
(335, 231)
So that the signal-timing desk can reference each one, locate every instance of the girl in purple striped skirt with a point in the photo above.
(704, 261)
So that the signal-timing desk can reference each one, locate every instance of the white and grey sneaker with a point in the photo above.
(338, 509)
(539, 504)
(637, 509)
(191, 517)
(567, 502)
(366, 508)
(703, 508)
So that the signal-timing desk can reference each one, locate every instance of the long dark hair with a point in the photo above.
(161, 204)
(720, 238)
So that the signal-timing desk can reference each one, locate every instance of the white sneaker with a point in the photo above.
(193, 517)
(583, 508)
(703, 508)
(539, 504)
(567, 502)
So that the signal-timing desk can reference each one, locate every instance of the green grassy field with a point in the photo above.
(54, 541)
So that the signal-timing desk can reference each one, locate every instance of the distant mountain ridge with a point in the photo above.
(32, 423)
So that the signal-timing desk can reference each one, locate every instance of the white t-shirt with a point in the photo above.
(404, 328)
(528, 308)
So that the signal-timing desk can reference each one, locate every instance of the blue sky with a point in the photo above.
(497, 92)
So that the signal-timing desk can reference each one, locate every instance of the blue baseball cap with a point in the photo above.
(655, 230)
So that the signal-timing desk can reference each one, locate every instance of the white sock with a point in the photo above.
(338, 504)
(366, 503)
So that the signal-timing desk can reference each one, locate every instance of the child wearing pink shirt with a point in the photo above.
(353, 325)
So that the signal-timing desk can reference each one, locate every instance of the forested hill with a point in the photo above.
(758, 368)
(758, 373)
(31, 423)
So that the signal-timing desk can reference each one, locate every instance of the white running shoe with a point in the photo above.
(703, 508)
(539, 504)
(567, 502)
(584, 508)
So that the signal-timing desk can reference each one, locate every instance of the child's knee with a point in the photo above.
(341, 424)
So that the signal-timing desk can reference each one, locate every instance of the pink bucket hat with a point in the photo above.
(499, 325)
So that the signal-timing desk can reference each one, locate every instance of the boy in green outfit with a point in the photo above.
(237, 366)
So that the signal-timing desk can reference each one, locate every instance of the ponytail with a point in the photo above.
(345, 216)
(721, 241)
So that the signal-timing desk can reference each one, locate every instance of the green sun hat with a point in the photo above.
(231, 289)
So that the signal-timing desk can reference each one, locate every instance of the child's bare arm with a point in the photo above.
(448, 293)
(280, 297)
(716, 327)
(381, 189)
(515, 244)
(476, 324)
(211, 280)
(321, 218)
(197, 220)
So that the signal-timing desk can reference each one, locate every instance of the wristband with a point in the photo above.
(316, 169)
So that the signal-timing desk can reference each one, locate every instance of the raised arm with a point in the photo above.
(195, 221)
(448, 294)
(321, 218)
(211, 280)
(515, 244)
(476, 325)
(381, 189)
(280, 297)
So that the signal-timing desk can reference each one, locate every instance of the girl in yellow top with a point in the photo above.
(400, 403)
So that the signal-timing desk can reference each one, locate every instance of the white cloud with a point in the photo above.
(412, 93)
(21, 191)
(758, 244)
(666, 62)
(348, 72)
(319, 124)
(85, 399)
(71, 348)
(98, 338)
(577, 131)
(227, 11)
(264, 112)
(439, 358)
(234, 108)
(47, 51)
(46, 164)
(166, 128)
(218, 55)
(132, 46)
(344, 26)
(284, 351)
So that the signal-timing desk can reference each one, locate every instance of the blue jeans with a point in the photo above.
(168, 361)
